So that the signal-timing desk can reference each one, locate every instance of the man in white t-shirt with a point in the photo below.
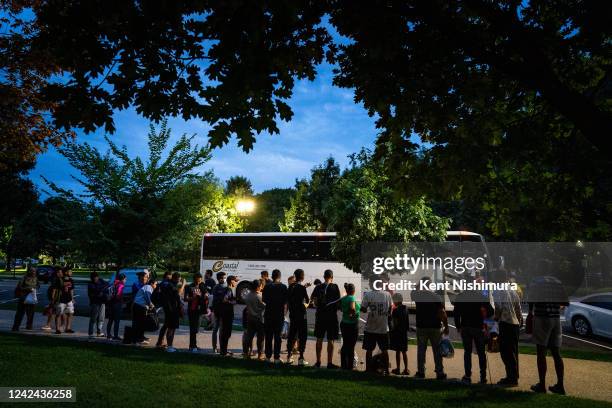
(377, 304)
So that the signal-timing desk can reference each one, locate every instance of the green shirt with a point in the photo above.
(345, 306)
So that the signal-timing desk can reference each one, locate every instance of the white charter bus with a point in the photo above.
(245, 255)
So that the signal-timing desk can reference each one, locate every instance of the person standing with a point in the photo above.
(227, 314)
(157, 299)
(196, 296)
(97, 308)
(255, 320)
(377, 303)
(218, 294)
(143, 278)
(66, 302)
(141, 306)
(266, 277)
(170, 300)
(275, 297)
(115, 307)
(471, 309)
(209, 282)
(400, 319)
(26, 294)
(297, 300)
(546, 298)
(430, 317)
(349, 326)
(326, 297)
(510, 319)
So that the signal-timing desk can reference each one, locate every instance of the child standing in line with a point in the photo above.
(399, 333)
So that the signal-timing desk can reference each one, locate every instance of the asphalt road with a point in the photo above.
(570, 339)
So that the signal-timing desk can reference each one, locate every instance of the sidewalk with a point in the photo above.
(583, 378)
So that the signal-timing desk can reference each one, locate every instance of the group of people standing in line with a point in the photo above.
(270, 301)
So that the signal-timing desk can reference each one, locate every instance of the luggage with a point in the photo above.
(151, 322)
(446, 348)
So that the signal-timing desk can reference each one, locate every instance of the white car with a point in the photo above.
(591, 314)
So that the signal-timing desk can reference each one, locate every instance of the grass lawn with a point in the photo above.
(107, 375)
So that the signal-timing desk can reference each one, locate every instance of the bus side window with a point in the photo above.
(324, 250)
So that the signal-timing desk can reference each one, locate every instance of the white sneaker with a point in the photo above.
(46, 328)
(171, 350)
(302, 362)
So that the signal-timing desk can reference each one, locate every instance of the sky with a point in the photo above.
(326, 122)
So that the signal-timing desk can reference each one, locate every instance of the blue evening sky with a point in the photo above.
(326, 122)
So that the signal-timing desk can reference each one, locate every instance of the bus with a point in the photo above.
(245, 255)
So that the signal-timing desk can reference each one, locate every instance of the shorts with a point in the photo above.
(326, 326)
(64, 308)
(399, 342)
(547, 331)
(370, 340)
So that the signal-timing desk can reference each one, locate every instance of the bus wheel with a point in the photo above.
(242, 291)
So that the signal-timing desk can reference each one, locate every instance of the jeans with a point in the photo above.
(349, 331)
(114, 317)
(195, 319)
(508, 348)
(432, 336)
(22, 309)
(225, 330)
(273, 328)
(254, 328)
(96, 317)
(215, 330)
(298, 327)
(475, 336)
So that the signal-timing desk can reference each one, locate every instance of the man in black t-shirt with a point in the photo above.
(430, 316)
(275, 297)
(298, 324)
(326, 297)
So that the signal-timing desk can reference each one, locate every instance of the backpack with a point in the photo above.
(109, 292)
(322, 301)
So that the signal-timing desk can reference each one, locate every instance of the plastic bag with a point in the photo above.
(31, 298)
(446, 348)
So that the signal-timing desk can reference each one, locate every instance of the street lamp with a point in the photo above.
(245, 206)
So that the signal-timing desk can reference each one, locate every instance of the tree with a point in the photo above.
(239, 186)
(364, 207)
(270, 211)
(132, 194)
(24, 129)
(307, 211)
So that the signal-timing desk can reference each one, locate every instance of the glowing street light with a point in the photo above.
(245, 207)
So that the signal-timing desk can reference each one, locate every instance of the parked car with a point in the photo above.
(45, 273)
(591, 314)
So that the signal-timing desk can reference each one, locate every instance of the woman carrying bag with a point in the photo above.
(26, 293)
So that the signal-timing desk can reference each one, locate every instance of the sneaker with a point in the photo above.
(194, 350)
(332, 366)
(395, 371)
(406, 372)
(171, 349)
(69, 331)
(557, 389)
(147, 338)
(261, 357)
(116, 338)
(466, 380)
(91, 337)
(290, 360)
(441, 376)
(419, 375)
(539, 388)
(507, 382)
(302, 362)
(483, 380)
(58, 332)
(46, 328)
(317, 364)
(277, 361)
(101, 335)
(143, 342)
